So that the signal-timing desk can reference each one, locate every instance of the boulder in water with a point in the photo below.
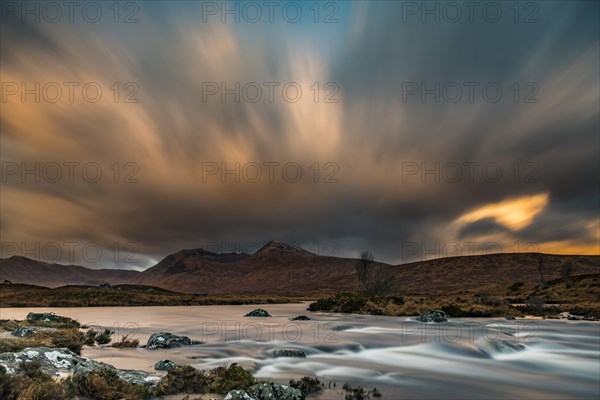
(259, 312)
(166, 340)
(289, 353)
(49, 317)
(436, 316)
(300, 318)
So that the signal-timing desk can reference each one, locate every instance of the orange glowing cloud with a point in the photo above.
(514, 213)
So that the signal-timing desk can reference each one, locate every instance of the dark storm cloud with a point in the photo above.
(481, 227)
(372, 135)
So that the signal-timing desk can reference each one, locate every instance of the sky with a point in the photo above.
(414, 130)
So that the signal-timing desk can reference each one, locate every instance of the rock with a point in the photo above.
(300, 318)
(164, 365)
(283, 392)
(238, 395)
(23, 331)
(53, 361)
(510, 317)
(263, 390)
(134, 377)
(62, 362)
(48, 317)
(575, 317)
(289, 353)
(259, 312)
(273, 391)
(87, 366)
(591, 318)
(436, 316)
(166, 340)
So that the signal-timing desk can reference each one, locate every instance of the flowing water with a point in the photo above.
(476, 358)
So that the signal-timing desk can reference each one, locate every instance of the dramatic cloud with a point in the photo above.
(400, 141)
(514, 214)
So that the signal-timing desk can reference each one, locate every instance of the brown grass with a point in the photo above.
(126, 342)
(579, 296)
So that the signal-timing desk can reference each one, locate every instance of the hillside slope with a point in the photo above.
(284, 269)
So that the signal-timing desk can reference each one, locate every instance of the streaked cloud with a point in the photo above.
(367, 136)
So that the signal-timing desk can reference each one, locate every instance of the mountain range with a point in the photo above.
(282, 268)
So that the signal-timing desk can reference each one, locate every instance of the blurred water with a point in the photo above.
(465, 359)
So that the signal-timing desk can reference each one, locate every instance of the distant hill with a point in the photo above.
(471, 272)
(285, 269)
(24, 270)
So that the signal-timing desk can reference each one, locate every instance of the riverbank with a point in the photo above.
(18, 295)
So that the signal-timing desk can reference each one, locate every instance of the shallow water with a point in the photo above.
(476, 358)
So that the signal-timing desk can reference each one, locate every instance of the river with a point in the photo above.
(477, 358)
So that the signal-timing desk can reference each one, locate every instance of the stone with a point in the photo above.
(273, 391)
(62, 362)
(238, 395)
(259, 312)
(49, 317)
(166, 340)
(165, 365)
(23, 331)
(301, 318)
(263, 390)
(283, 392)
(289, 353)
(510, 317)
(436, 316)
(53, 361)
(134, 377)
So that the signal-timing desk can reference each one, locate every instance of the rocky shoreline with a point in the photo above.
(72, 375)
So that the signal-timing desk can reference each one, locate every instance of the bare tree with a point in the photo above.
(567, 269)
(540, 269)
(374, 280)
(363, 267)
(383, 282)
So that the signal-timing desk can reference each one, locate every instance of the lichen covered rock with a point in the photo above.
(436, 316)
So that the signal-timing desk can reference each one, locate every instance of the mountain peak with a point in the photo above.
(205, 255)
(276, 245)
